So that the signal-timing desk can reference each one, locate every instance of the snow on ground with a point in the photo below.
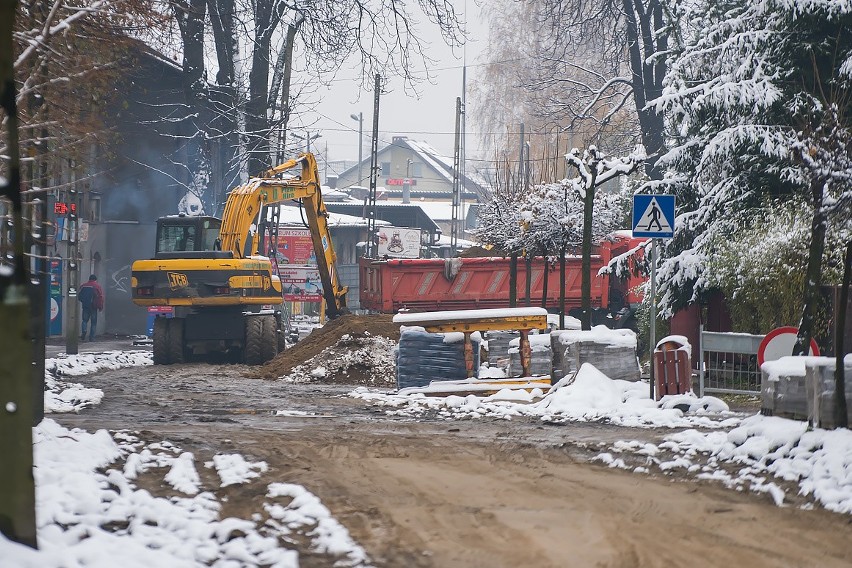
(762, 454)
(90, 513)
(65, 396)
(588, 396)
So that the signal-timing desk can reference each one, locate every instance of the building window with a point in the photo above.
(416, 169)
(386, 169)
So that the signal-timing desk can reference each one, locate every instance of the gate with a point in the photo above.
(728, 363)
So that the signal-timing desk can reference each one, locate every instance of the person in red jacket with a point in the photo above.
(92, 297)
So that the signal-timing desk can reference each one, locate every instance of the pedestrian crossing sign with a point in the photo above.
(653, 216)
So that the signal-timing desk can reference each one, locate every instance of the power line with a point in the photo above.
(448, 68)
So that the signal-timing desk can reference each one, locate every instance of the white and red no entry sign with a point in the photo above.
(779, 343)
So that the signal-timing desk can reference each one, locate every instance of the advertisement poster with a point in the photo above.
(395, 242)
(295, 247)
(300, 283)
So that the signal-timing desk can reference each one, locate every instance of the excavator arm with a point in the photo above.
(245, 203)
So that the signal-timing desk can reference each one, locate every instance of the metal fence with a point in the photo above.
(728, 363)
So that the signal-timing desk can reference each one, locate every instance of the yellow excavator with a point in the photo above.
(226, 295)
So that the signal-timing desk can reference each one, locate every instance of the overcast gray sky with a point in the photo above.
(429, 117)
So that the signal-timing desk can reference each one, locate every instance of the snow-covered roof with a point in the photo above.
(291, 215)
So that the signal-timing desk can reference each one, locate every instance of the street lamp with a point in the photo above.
(360, 118)
(307, 138)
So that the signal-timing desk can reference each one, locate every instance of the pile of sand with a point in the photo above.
(341, 347)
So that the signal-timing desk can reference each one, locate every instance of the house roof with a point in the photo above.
(397, 214)
(440, 164)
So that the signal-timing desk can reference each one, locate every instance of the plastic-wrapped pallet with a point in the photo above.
(498, 347)
(783, 387)
(611, 351)
(425, 357)
(541, 360)
(820, 383)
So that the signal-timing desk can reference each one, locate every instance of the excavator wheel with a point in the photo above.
(161, 341)
(176, 348)
(254, 340)
(269, 341)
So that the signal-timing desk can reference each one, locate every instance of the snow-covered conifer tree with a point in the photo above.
(758, 98)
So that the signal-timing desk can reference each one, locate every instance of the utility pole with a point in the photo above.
(513, 257)
(462, 139)
(374, 172)
(72, 327)
(360, 118)
(454, 227)
(406, 183)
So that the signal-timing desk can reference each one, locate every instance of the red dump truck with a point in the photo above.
(434, 284)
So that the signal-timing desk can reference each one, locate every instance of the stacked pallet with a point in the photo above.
(803, 388)
(611, 351)
(423, 357)
(541, 357)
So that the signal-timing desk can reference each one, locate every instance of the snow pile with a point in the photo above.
(233, 469)
(590, 396)
(763, 454)
(305, 511)
(64, 396)
(361, 360)
(89, 513)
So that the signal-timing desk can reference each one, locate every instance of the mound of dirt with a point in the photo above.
(328, 336)
(356, 359)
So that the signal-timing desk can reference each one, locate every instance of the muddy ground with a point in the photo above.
(474, 493)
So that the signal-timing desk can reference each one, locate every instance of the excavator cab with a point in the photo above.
(178, 235)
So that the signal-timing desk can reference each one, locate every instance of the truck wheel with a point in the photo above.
(254, 340)
(161, 341)
(269, 342)
(176, 347)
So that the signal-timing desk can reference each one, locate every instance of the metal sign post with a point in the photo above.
(653, 338)
(653, 217)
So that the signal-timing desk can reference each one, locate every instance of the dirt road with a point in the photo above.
(434, 493)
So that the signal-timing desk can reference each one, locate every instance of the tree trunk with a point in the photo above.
(267, 17)
(191, 19)
(813, 274)
(17, 487)
(586, 285)
(281, 79)
(562, 286)
(257, 119)
(647, 74)
(513, 280)
(224, 124)
(841, 413)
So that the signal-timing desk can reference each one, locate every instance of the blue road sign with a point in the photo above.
(653, 216)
